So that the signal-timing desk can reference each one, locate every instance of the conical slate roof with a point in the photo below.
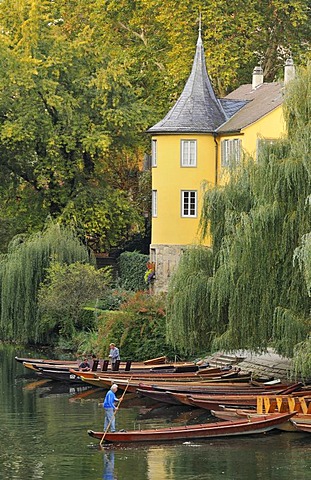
(197, 110)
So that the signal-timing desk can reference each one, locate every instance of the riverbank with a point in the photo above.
(268, 364)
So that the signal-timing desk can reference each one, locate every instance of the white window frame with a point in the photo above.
(188, 153)
(230, 152)
(154, 152)
(189, 203)
(154, 203)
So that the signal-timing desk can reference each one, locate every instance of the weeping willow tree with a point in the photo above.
(302, 350)
(189, 300)
(22, 270)
(257, 295)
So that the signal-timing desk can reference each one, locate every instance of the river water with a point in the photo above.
(44, 436)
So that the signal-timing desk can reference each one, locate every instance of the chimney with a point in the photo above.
(257, 77)
(289, 70)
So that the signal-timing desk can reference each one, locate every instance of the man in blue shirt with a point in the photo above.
(109, 405)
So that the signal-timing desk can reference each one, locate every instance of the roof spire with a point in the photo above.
(197, 108)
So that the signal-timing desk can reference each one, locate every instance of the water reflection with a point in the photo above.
(44, 428)
(109, 466)
(158, 459)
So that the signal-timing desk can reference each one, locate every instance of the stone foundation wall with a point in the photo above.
(166, 259)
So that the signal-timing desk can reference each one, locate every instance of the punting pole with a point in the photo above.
(114, 413)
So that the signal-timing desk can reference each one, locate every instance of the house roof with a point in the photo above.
(258, 102)
(197, 110)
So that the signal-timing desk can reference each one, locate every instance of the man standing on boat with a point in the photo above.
(109, 405)
(114, 355)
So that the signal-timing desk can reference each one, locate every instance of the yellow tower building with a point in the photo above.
(194, 144)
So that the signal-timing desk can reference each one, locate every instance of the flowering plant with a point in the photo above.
(150, 272)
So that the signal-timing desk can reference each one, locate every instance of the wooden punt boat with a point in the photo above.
(75, 375)
(106, 384)
(166, 383)
(125, 369)
(171, 397)
(244, 426)
(212, 389)
(221, 387)
(60, 376)
(154, 375)
(136, 377)
(135, 374)
(58, 367)
(301, 427)
(46, 361)
(214, 402)
(66, 372)
(236, 413)
(147, 363)
(227, 413)
(163, 397)
(178, 372)
(134, 385)
(153, 365)
(181, 393)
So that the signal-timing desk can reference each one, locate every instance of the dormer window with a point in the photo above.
(188, 153)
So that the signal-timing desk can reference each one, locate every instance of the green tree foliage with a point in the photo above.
(241, 34)
(303, 255)
(80, 81)
(69, 118)
(237, 35)
(23, 269)
(63, 294)
(252, 293)
(190, 323)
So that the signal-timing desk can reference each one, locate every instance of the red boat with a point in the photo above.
(243, 426)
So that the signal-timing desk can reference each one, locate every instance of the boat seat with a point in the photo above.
(294, 404)
(95, 365)
(128, 366)
(116, 366)
(305, 405)
(105, 365)
(282, 404)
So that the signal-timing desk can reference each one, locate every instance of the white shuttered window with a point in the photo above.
(154, 203)
(188, 153)
(230, 152)
(154, 153)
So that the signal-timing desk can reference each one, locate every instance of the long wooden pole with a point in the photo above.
(114, 413)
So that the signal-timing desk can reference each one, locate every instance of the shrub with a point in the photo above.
(132, 268)
(138, 328)
(64, 293)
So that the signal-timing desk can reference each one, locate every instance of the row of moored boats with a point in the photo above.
(242, 404)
